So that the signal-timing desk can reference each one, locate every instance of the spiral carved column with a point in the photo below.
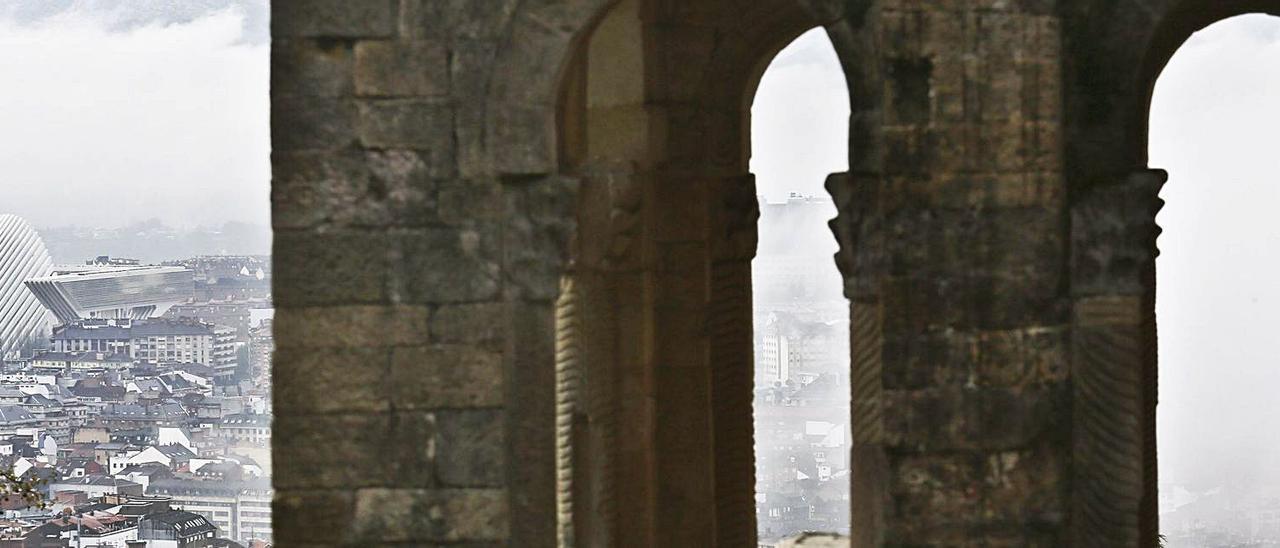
(567, 375)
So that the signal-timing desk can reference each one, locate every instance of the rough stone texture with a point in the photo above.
(432, 515)
(399, 68)
(412, 124)
(344, 462)
(438, 165)
(960, 249)
(476, 324)
(448, 265)
(333, 380)
(360, 258)
(469, 448)
(333, 18)
(311, 517)
(337, 327)
(445, 376)
(315, 67)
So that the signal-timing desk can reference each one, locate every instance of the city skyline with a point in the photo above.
(143, 397)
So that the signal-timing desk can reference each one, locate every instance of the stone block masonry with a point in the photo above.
(440, 165)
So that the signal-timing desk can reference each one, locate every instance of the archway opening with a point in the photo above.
(1213, 127)
(799, 123)
(654, 437)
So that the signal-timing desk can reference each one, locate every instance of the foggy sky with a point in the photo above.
(122, 110)
(799, 135)
(800, 120)
(1215, 126)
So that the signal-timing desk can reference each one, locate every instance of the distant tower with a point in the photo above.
(22, 256)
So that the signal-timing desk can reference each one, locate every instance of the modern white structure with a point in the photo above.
(119, 292)
(240, 509)
(22, 256)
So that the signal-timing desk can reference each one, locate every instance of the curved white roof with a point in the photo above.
(135, 292)
(22, 256)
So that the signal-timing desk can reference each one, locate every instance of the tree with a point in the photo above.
(11, 485)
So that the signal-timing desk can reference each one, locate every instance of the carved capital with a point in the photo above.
(626, 219)
(538, 235)
(854, 199)
(1113, 236)
(736, 210)
(611, 216)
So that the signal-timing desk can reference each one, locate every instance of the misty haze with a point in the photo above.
(1214, 123)
(136, 276)
(799, 122)
(135, 288)
(132, 111)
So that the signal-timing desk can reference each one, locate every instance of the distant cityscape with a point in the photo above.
(135, 392)
(153, 242)
(801, 375)
(1235, 514)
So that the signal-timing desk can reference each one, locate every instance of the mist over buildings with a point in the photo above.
(800, 316)
(112, 97)
(795, 145)
(1214, 126)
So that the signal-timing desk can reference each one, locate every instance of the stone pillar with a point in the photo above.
(568, 395)
(614, 389)
(536, 232)
(1113, 369)
(734, 212)
(597, 441)
(856, 258)
(959, 273)
(683, 434)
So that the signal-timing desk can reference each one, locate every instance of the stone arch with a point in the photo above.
(525, 75)
(1115, 198)
(439, 317)
(644, 262)
(1177, 25)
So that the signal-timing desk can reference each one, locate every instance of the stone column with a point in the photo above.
(537, 228)
(960, 273)
(735, 210)
(856, 259)
(568, 374)
(1113, 369)
(610, 277)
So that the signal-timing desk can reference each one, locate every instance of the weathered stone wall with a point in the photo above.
(957, 277)
(416, 277)
(997, 233)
